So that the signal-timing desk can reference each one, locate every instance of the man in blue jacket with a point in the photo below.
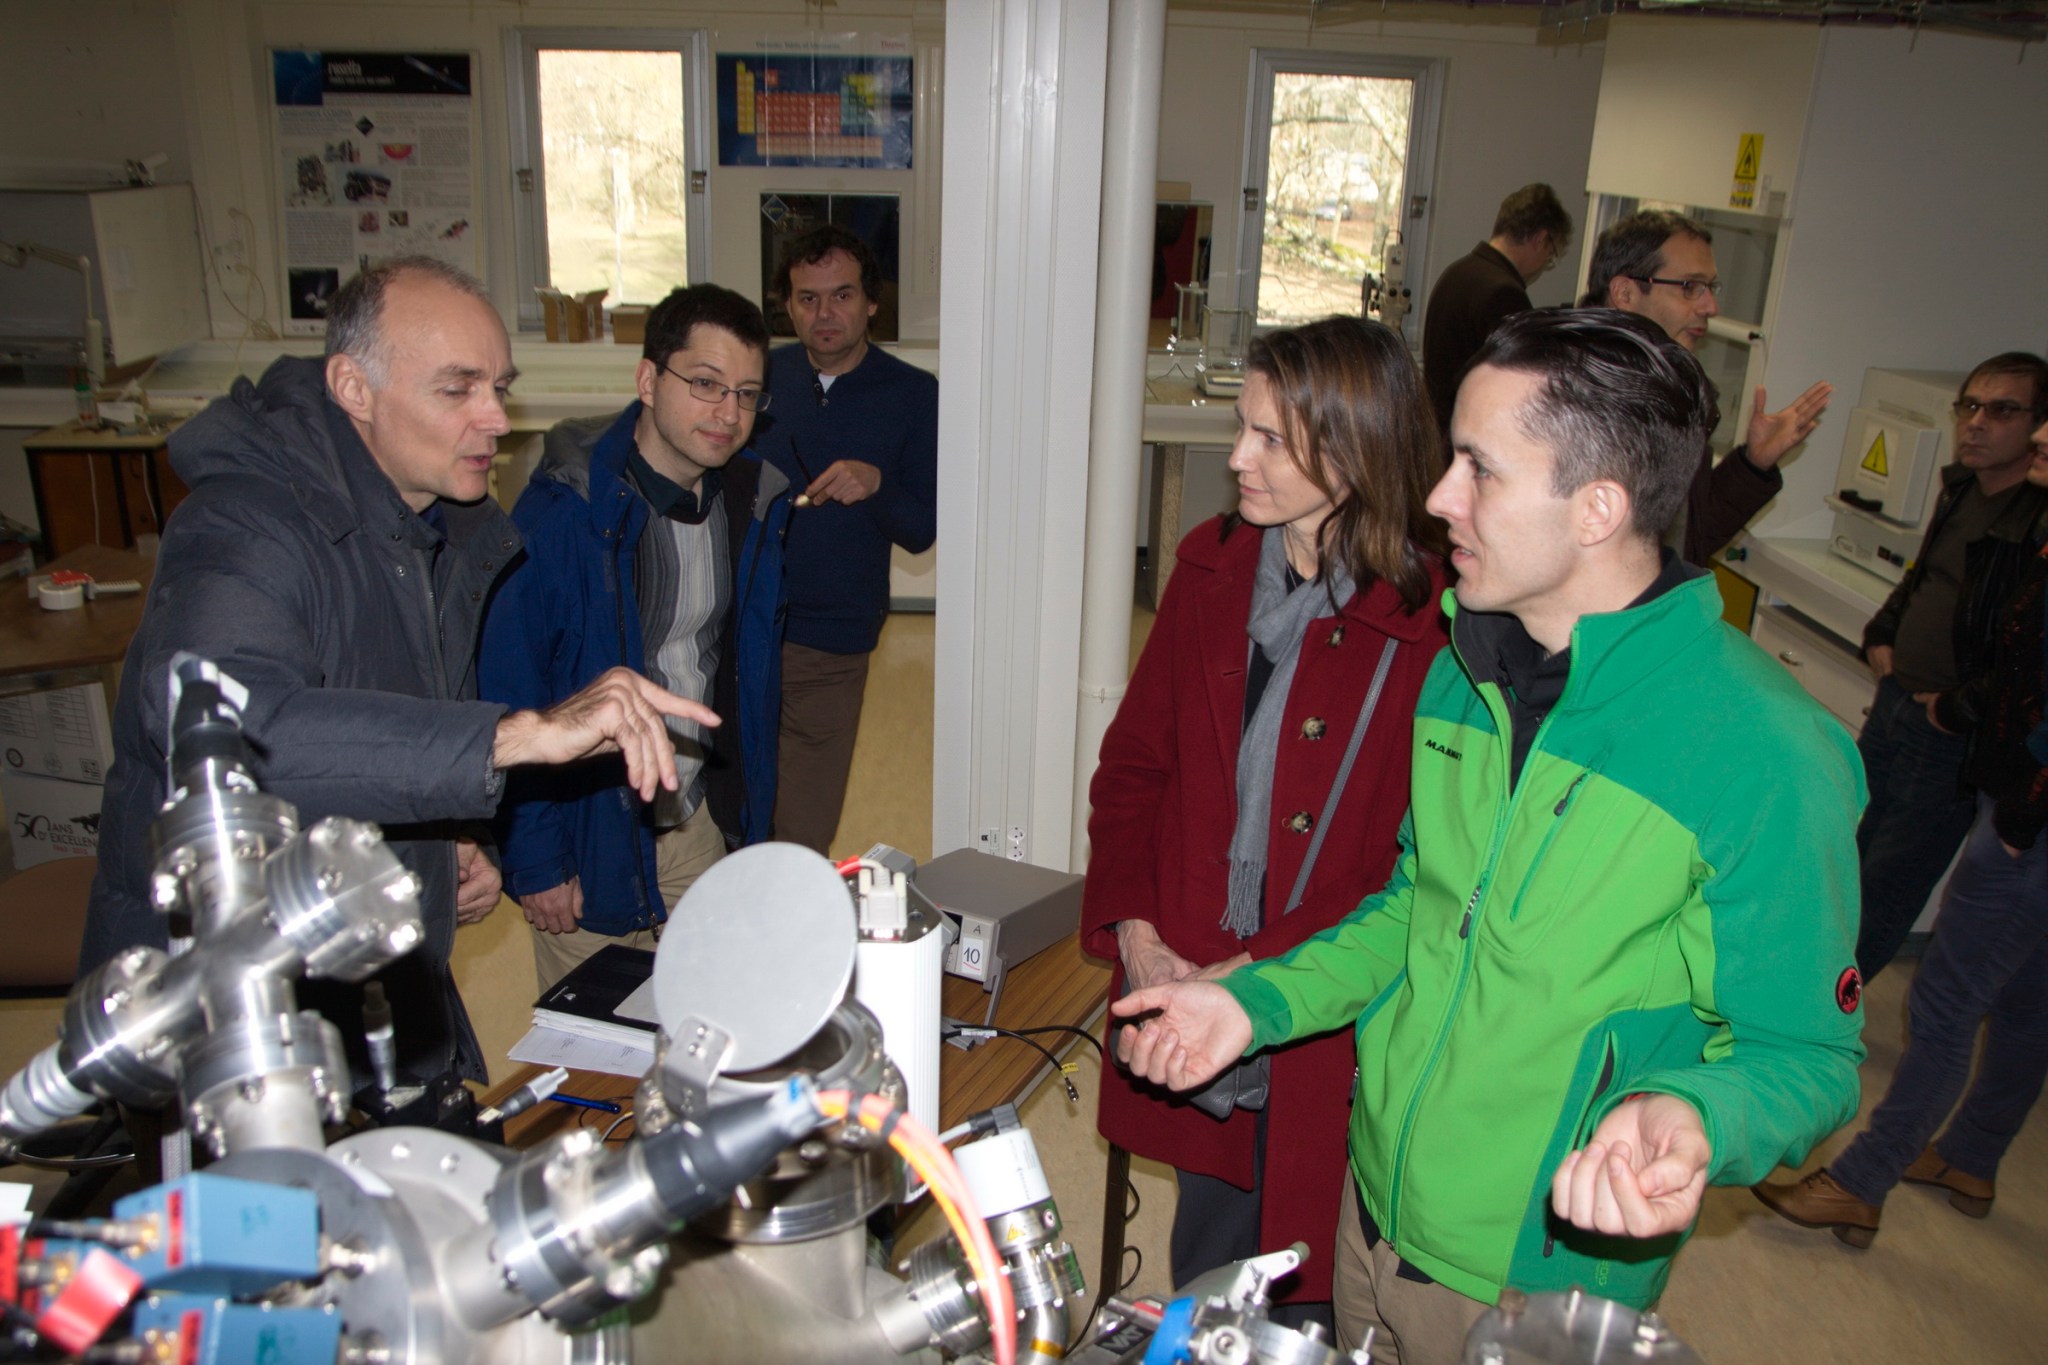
(653, 541)
(857, 430)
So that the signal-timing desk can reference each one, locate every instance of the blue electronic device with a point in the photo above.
(216, 1234)
(207, 1331)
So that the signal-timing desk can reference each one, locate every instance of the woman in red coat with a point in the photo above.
(1220, 772)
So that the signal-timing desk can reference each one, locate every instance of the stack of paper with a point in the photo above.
(600, 1017)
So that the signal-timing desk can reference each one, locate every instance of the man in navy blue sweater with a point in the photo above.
(857, 430)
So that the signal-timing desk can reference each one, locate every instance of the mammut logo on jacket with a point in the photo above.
(1443, 749)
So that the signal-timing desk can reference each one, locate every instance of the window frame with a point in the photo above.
(1419, 176)
(530, 201)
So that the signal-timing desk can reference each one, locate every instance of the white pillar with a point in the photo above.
(1130, 172)
(1022, 176)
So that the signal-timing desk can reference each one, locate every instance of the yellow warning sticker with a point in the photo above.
(1874, 461)
(1749, 156)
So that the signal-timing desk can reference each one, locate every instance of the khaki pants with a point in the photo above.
(681, 855)
(821, 701)
(1412, 1323)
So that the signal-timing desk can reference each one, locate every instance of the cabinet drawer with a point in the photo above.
(1830, 674)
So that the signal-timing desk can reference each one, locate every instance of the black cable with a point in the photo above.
(1078, 1032)
(1132, 1203)
(1059, 1068)
(9, 1152)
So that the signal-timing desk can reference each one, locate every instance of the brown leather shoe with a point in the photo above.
(1818, 1202)
(1968, 1194)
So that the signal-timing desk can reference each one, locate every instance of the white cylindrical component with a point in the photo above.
(1003, 1173)
(898, 980)
(61, 597)
(40, 1096)
(1130, 170)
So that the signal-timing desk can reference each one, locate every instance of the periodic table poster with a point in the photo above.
(839, 100)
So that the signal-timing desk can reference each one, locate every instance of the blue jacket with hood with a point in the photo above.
(568, 611)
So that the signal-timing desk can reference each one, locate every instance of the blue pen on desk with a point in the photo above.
(602, 1106)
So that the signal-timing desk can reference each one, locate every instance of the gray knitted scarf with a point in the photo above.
(1279, 621)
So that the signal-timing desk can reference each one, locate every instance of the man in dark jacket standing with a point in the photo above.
(333, 558)
(653, 541)
(1987, 966)
(857, 431)
(1930, 643)
(1476, 291)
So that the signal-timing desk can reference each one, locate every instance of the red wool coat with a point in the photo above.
(1164, 803)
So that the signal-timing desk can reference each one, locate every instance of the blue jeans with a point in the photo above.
(1918, 813)
(1989, 959)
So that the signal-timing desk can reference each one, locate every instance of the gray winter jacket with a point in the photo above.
(297, 568)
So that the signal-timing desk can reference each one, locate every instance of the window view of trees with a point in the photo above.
(613, 163)
(1335, 176)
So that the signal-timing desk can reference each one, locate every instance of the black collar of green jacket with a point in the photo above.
(1609, 651)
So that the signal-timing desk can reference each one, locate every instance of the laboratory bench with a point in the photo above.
(96, 486)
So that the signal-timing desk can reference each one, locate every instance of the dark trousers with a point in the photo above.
(1918, 814)
(1215, 1223)
(821, 703)
(1988, 961)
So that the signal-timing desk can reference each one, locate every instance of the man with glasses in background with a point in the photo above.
(1661, 265)
(1929, 646)
(653, 541)
(857, 431)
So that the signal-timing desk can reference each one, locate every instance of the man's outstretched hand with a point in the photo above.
(1771, 434)
(621, 712)
(1199, 1029)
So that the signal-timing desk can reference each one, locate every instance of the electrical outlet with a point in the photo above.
(230, 253)
(1016, 843)
(992, 841)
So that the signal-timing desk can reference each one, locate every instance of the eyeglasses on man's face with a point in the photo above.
(1692, 289)
(706, 390)
(2003, 410)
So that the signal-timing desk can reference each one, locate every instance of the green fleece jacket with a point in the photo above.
(1665, 901)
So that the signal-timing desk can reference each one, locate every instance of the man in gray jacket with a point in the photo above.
(334, 558)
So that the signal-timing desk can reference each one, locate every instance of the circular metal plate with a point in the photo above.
(761, 946)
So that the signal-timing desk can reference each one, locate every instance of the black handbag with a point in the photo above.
(1245, 1084)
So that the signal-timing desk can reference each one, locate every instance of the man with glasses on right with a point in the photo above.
(1933, 639)
(1661, 265)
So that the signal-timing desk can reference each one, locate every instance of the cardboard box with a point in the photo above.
(61, 733)
(572, 317)
(629, 324)
(51, 819)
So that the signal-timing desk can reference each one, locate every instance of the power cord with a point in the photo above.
(984, 1033)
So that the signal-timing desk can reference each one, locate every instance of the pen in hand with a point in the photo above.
(802, 499)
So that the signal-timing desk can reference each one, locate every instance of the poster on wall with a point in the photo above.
(375, 159)
(840, 100)
(874, 218)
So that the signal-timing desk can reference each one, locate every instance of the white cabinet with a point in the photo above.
(1833, 678)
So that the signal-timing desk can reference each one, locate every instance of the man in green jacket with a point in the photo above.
(1615, 962)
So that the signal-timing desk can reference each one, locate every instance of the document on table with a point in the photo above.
(546, 1046)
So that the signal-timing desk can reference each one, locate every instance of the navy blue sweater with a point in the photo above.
(836, 565)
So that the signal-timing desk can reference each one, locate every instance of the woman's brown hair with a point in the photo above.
(1360, 428)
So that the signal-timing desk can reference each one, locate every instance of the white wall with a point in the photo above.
(1918, 237)
(220, 64)
(91, 80)
(1684, 91)
(1516, 108)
